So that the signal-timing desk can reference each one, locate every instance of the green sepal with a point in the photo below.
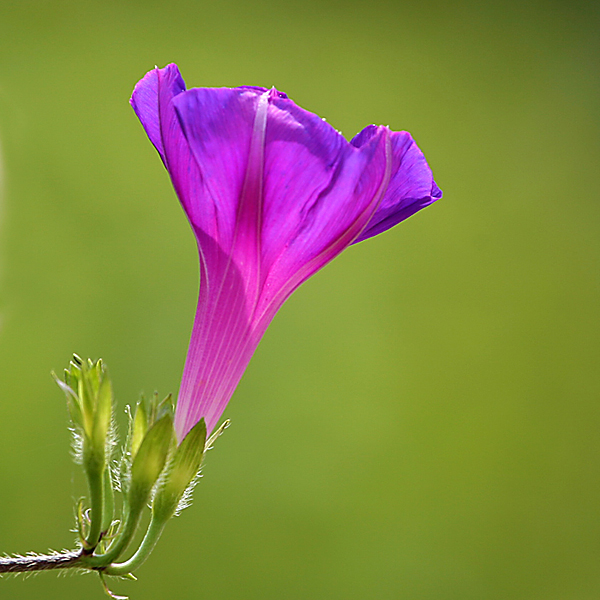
(72, 400)
(86, 397)
(103, 413)
(75, 412)
(94, 374)
(149, 462)
(152, 408)
(181, 472)
(165, 407)
(139, 427)
(217, 434)
(74, 372)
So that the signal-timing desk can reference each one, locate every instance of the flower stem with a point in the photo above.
(119, 545)
(150, 539)
(95, 477)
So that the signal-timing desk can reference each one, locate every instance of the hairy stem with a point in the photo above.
(27, 564)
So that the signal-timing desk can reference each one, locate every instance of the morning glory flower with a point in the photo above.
(273, 193)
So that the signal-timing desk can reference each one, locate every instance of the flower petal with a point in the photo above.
(218, 126)
(221, 342)
(320, 192)
(304, 156)
(411, 188)
(151, 99)
(224, 135)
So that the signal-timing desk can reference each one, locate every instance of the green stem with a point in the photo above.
(95, 476)
(150, 539)
(109, 501)
(121, 542)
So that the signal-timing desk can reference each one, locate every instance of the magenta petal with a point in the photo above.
(221, 343)
(151, 99)
(306, 160)
(218, 126)
(319, 203)
(224, 129)
(411, 188)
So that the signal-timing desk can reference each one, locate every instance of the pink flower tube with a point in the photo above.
(273, 193)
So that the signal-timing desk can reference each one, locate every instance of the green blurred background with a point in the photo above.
(422, 419)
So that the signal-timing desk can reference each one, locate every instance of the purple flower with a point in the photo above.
(273, 193)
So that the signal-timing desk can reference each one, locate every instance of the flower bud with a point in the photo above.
(88, 389)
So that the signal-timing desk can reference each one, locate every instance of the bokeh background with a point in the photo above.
(422, 419)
